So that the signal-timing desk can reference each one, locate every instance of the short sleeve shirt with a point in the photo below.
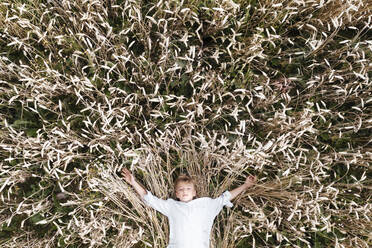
(190, 222)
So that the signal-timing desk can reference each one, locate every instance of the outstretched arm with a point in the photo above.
(149, 199)
(129, 178)
(249, 182)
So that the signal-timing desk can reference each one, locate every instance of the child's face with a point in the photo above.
(185, 191)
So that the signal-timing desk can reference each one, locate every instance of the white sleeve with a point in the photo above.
(163, 206)
(221, 201)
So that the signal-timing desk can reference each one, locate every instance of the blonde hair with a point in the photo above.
(183, 178)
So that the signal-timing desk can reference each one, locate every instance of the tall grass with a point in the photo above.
(217, 89)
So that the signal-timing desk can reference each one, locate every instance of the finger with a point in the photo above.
(124, 174)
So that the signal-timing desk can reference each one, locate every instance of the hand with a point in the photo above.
(250, 181)
(128, 176)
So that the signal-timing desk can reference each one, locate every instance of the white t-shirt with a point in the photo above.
(190, 222)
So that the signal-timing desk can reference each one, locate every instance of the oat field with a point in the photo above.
(219, 89)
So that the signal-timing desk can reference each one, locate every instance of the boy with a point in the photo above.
(190, 219)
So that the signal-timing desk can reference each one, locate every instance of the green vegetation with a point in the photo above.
(219, 89)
